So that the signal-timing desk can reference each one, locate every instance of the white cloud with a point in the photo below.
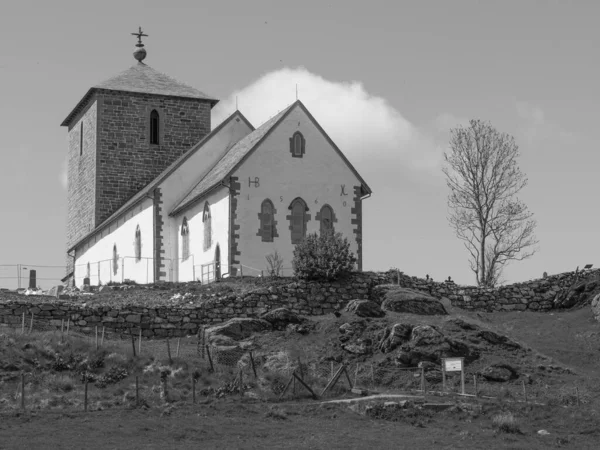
(536, 127)
(365, 127)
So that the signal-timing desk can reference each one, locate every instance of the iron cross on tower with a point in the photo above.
(139, 35)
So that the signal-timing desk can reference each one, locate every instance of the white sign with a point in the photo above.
(453, 364)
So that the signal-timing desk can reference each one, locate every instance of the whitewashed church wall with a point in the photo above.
(191, 269)
(179, 183)
(320, 177)
(98, 251)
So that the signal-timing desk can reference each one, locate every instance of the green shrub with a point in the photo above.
(324, 257)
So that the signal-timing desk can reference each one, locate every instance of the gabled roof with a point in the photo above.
(147, 190)
(230, 160)
(143, 79)
(240, 151)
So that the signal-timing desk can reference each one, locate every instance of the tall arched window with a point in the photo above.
(154, 127)
(326, 218)
(185, 240)
(298, 219)
(115, 260)
(207, 226)
(138, 244)
(266, 221)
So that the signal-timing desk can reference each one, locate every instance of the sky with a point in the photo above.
(386, 80)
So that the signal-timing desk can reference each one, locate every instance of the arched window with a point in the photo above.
(115, 260)
(207, 226)
(154, 127)
(138, 244)
(266, 221)
(185, 240)
(326, 218)
(297, 145)
(298, 219)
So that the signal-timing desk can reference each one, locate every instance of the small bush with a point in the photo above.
(506, 423)
(275, 264)
(325, 257)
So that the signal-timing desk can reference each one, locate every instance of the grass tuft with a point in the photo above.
(506, 423)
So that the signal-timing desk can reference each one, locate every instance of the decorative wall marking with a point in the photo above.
(256, 182)
(343, 191)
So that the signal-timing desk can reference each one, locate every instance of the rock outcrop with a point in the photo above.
(365, 308)
(596, 307)
(280, 318)
(402, 300)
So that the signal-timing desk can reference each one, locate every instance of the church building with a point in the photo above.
(155, 194)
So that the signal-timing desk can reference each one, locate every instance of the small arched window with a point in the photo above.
(115, 260)
(297, 145)
(266, 221)
(154, 127)
(185, 240)
(207, 226)
(298, 219)
(326, 219)
(138, 244)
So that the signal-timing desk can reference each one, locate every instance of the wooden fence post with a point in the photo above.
(169, 351)
(178, 343)
(85, 397)
(443, 377)
(193, 389)
(102, 339)
(22, 390)
(68, 323)
(140, 343)
(23, 325)
(253, 366)
(212, 368)
(133, 345)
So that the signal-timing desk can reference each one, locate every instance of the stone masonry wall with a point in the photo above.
(535, 295)
(306, 298)
(301, 297)
(126, 160)
(81, 175)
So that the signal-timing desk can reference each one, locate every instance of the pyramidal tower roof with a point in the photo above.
(143, 79)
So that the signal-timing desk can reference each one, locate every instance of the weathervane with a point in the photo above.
(140, 52)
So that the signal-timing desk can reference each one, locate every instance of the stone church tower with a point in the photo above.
(122, 134)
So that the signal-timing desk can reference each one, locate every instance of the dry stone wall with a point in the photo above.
(300, 297)
(306, 298)
(535, 295)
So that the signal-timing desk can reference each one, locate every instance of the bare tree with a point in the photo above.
(483, 178)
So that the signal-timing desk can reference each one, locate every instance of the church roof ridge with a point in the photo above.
(142, 79)
(231, 160)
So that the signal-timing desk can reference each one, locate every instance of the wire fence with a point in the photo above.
(63, 368)
(124, 269)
